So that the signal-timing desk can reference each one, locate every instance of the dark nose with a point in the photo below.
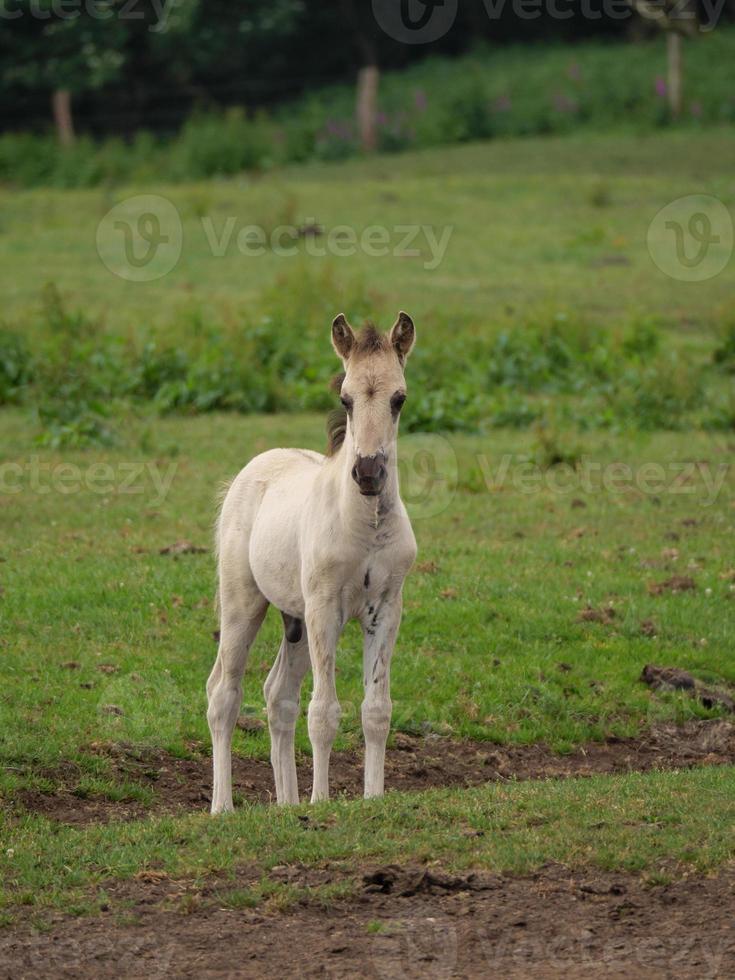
(369, 474)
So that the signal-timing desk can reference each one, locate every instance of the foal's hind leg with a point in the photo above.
(240, 622)
(282, 692)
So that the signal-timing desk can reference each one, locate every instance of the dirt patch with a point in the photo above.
(182, 548)
(675, 679)
(605, 615)
(424, 924)
(677, 583)
(412, 764)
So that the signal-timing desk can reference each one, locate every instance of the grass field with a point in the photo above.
(554, 562)
(537, 258)
(531, 221)
(495, 644)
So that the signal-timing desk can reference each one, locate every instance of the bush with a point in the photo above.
(556, 365)
(724, 354)
(15, 367)
(216, 145)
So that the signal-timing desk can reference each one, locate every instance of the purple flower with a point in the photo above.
(381, 119)
(337, 129)
(574, 72)
(502, 104)
(661, 88)
(696, 110)
(420, 100)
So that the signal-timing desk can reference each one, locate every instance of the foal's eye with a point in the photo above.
(396, 402)
(347, 403)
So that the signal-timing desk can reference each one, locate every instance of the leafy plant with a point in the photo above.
(15, 367)
(724, 354)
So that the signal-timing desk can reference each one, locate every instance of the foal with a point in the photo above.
(325, 540)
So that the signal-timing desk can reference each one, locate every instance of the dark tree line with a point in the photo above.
(114, 66)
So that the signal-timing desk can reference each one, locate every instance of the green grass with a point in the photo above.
(491, 613)
(661, 824)
(545, 281)
(491, 646)
(527, 232)
(491, 609)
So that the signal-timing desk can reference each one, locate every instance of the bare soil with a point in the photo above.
(400, 923)
(412, 764)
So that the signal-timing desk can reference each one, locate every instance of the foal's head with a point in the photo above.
(372, 393)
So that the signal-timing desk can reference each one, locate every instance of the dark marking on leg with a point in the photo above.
(367, 579)
(377, 665)
(292, 627)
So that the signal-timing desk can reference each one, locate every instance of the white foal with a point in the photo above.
(324, 539)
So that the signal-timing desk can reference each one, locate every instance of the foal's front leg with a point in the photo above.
(323, 626)
(380, 628)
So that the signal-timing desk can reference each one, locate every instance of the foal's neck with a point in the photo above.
(362, 512)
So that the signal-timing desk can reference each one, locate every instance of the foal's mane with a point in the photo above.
(368, 341)
(336, 420)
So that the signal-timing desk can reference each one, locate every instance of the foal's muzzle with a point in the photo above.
(370, 474)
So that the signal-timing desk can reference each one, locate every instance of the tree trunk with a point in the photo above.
(367, 106)
(63, 120)
(675, 85)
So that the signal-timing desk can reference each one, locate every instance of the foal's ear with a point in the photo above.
(403, 336)
(343, 336)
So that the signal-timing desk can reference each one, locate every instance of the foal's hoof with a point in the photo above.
(218, 809)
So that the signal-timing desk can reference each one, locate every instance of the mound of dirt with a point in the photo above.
(675, 679)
